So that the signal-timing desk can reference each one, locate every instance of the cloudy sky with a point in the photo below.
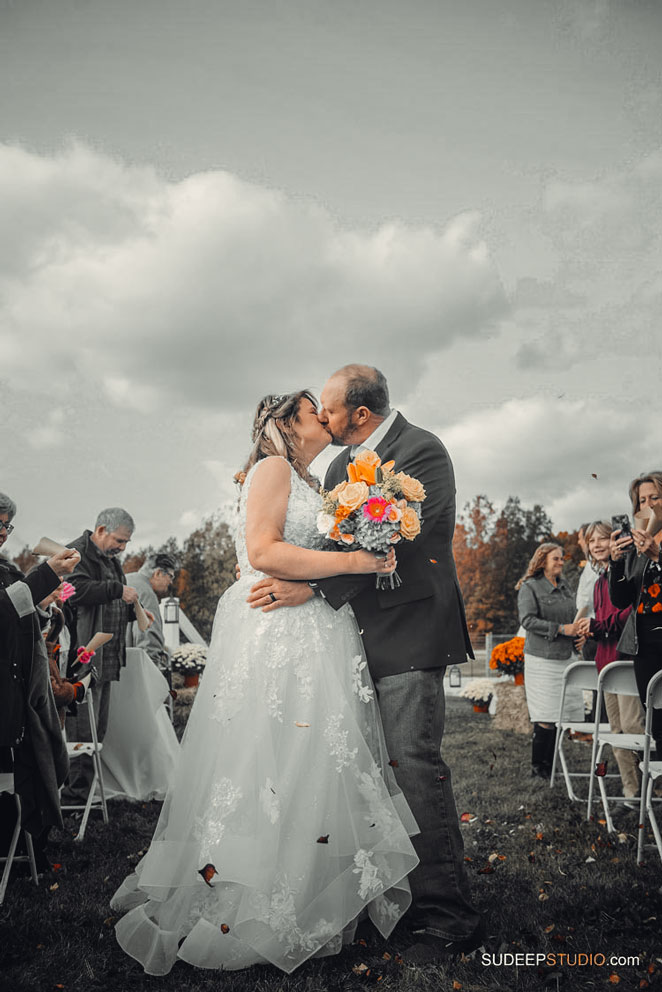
(201, 202)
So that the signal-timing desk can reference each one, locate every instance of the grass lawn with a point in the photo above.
(548, 882)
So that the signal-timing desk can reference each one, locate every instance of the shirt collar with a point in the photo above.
(379, 433)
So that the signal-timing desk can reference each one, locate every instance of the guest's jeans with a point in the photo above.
(412, 708)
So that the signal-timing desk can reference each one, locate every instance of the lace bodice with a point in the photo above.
(300, 528)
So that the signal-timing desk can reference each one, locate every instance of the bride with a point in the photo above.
(284, 821)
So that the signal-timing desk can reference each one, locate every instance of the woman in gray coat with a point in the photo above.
(546, 606)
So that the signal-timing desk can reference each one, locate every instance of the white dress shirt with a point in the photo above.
(379, 433)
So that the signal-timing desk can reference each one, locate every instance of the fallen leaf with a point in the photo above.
(550, 928)
(456, 984)
(487, 870)
(386, 956)
(361, 969)
(323, 840)
(588, 860)
(593, 475)
(493, 857)
(225, 928)
(468, 818)
(614, 978)
(300, 723)
(52, 888)
(108, 922)
(393, 763)
(56, 866)
(543, 896)
(207, 873)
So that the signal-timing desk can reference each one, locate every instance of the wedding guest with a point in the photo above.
(625, 713)
(546, 606)
(31, 743)
(103, 602)
(635, 579)
(65, 691)
(152, 583)
(584, 596)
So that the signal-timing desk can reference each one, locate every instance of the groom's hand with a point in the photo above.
(271, 594)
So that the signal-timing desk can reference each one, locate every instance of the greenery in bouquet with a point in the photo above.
(508, 657)
(374, 509)
(189, 659)
(479, 690)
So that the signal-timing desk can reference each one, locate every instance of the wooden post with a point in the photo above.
(489, 644)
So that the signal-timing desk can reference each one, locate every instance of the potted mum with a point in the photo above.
(480, 691)
(508, 658)
(189, 660)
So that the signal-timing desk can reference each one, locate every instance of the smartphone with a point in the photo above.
(621, 521)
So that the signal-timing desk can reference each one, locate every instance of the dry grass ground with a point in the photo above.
(548, 882)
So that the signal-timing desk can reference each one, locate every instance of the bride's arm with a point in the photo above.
(266, 508)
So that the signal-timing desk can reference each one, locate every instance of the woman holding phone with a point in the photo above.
(635, 579)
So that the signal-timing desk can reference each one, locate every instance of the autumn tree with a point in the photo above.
(207, 570)
(491, 552)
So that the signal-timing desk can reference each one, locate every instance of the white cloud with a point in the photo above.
(194, 288)
(574, 457)
(50, 434)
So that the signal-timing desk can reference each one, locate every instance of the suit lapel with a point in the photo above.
(391, 437)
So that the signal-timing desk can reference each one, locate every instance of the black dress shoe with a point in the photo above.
(430, 949)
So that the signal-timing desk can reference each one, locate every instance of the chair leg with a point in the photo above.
(30, 849)
(9, 859)
(651, 816)
(88, 807)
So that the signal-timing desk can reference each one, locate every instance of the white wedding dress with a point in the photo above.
(284, 820)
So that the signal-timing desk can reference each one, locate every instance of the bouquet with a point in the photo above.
(509, 656)
(189, 659)
(373, 510)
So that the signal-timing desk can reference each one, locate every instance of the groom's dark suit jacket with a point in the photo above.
(421, 624)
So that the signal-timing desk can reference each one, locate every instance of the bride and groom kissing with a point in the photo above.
(311, 792)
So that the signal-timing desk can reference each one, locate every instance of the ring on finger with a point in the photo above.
(272, 597)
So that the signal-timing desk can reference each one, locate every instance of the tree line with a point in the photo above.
(491, 548)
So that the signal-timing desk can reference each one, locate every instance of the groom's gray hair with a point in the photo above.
(365, 386)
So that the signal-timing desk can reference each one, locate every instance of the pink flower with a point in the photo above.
(376, 508)
(67, 591)
(84, 657)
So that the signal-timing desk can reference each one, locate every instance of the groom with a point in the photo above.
(410, 635)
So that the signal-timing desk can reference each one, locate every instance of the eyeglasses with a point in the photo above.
(8, 527)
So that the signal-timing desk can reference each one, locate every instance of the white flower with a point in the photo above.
(481, 690)
(324, 523)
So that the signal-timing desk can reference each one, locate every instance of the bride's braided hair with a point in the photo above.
(274, 433)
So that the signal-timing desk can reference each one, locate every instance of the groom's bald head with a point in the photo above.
(354, 402)
(364, 386)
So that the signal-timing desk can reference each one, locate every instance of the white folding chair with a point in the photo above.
(617, 677)
(7, 785)
(580, 675)
(93, 748)
(650, 770)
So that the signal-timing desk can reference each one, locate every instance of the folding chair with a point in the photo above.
(93, 748)
(580, 675)
(617, 677)
(7, 785)
(650, 770)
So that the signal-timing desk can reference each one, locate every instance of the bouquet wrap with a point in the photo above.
(141, 616)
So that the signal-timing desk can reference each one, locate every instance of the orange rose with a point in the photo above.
(654, 590)
(354, 495)
(365, 464)
(347, 538)
(336, 491)
(411, 488)
(409, 525)
(657, 608)
(640, 608)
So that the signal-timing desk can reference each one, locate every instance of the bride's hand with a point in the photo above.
(366, 562)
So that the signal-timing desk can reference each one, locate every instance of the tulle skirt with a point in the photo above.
(284, 820)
